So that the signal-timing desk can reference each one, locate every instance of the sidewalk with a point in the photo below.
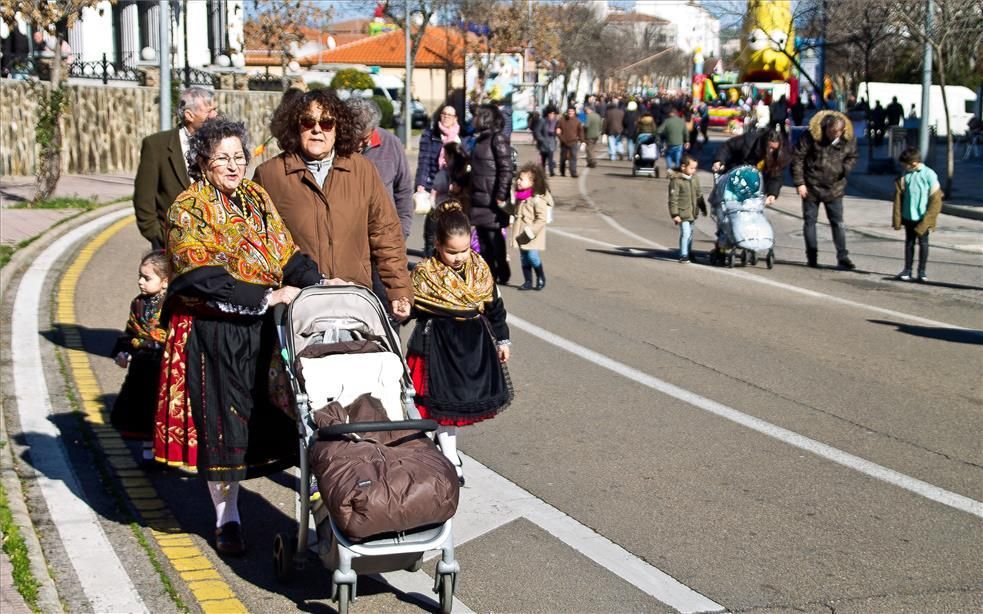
(18, 225)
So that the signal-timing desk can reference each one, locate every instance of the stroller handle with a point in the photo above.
(333, 431)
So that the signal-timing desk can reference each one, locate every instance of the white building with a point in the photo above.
(128, 32)
(695, 27)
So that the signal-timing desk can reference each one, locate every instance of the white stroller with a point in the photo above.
(335, 315)
(737, 205)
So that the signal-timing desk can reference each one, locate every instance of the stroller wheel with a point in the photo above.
(284, 549)
(634, 172)
(730, 260)
(445, 590)
(770, 260)
(744, 257)
(754, 258)
(344, 598)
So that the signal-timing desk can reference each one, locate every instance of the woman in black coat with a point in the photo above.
(491, 178)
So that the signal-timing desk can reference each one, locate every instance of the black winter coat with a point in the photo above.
(823, 167)
(491, 178)
(746, 149)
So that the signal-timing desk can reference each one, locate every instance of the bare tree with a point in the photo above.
(53, 18)
(957, 31)
(279, 26)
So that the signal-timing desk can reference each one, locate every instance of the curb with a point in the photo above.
(48, 599)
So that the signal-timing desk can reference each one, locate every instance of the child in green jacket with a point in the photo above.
(917, 203)
(685, 202)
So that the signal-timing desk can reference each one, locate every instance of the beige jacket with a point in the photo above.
(529, 226)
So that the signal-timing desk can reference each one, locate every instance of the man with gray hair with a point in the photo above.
(385, 151)
(163, 170)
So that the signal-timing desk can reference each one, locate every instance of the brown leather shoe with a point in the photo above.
(229, 539)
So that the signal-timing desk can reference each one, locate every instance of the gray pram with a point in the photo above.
(335, 315)
(737, 205)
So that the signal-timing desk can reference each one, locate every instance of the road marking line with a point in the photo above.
(101, 574)
(914, 485)
(501, 501)
(143, 498)
(743, 276)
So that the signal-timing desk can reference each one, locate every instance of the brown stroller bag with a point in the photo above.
(380, 481)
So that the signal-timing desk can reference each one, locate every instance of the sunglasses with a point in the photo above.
(326, 123)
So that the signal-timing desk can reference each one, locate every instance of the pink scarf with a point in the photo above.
(523, 194)
(447, 135)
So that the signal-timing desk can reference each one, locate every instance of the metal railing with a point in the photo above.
(105, 71)
(266, 83)
(194, 76)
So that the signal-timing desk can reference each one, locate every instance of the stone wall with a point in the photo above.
(104, 125)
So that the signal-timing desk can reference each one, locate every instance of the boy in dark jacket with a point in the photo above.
(685, 202)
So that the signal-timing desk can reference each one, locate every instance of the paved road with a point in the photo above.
(707, 438)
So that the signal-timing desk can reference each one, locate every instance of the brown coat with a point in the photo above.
(346, 227)
(931, 214)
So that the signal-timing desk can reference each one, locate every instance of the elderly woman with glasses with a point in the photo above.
(332, 199)
(232, 260)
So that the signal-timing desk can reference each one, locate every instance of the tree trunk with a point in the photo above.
(49, 163)
(950, 163)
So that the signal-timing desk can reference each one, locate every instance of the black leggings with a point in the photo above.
(909, 246)
(492, 248)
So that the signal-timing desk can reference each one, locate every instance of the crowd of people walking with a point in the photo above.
(336, 206)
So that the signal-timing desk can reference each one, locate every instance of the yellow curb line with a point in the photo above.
(203, 580)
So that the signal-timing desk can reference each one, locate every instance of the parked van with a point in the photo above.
(962, 102)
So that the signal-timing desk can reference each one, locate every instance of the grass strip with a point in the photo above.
(13, 544)
(60, 202)
(111, 486)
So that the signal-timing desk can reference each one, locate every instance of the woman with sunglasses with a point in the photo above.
(232, 259)
(332, 199)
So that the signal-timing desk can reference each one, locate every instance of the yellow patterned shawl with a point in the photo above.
(436, 285)
(247, 239)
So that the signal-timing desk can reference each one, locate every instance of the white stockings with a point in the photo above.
(225, 497)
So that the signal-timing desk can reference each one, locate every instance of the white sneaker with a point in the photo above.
(904, 275)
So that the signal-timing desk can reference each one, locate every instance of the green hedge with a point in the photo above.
(386, 108)
(352, 79)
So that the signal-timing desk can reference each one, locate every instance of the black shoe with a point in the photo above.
(229, 539)
(552, 174)
(845, 264)
(526, 286)
(540, 277)
(574, 176)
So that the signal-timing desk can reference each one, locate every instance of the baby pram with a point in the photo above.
(645, 156)
(737, 205)
(338, 345)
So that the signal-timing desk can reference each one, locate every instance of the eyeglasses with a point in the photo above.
(448, 114)
(326, 123)
(239, 160)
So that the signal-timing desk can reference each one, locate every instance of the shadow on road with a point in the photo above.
(954, 335)
(96, 341)
(937, 284)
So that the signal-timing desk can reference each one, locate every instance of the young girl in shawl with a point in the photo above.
(458, 350)
(140, 348)
(533, 209)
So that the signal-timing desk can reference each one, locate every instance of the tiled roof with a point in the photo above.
(440, 47)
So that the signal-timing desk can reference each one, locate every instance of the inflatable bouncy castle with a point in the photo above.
(768, 41)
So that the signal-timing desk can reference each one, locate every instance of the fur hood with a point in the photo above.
(817, 132)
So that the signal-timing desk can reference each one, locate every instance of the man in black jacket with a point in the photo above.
(823, 158)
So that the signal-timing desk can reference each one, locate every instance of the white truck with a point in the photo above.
(962, 102)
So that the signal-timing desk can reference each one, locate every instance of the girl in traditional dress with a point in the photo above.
(139, 350)
(232, 260)
(458, 350)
